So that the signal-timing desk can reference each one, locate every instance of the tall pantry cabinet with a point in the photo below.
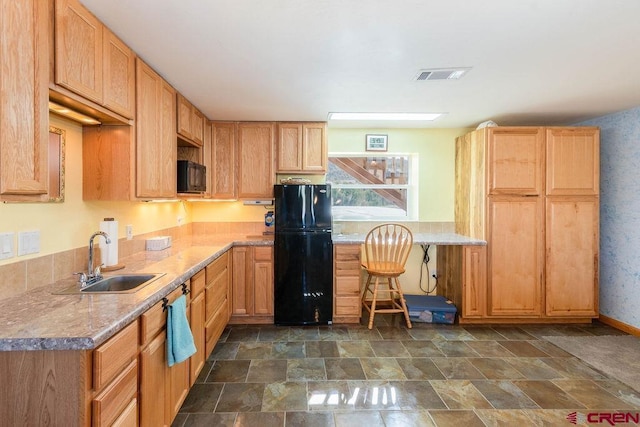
(532, 193)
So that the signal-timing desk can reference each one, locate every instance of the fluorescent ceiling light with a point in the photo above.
(384, 116)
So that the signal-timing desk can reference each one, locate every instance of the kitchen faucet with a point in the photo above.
(93, 275)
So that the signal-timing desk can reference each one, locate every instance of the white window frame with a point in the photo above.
(411, 187)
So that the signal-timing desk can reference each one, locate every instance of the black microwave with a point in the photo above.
(192, 177)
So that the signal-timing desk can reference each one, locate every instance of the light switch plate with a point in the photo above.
(6, 245)
(28, 242)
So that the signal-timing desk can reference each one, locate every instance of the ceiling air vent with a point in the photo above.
(441, 74)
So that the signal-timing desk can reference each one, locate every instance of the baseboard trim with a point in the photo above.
(619, 325)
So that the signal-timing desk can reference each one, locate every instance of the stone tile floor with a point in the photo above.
(431, 375)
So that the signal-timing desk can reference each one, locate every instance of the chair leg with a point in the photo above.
(372, 311)
(404, 305)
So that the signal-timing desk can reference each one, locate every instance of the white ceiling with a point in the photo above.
(548, 62)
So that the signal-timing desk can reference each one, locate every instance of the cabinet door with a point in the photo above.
(256, 160)
(516, 250)
(119, 76)
(242, 281)
(516, 160)
(24, 116)
(573, 161)
(184, 117)
(197, 320)
(290, 147)
(155, 137)
(223, 160)
(152, 392)
(263, 281)
(314, 150)
(78, 50)
(474, 280)
(197, 127)
(572, 257)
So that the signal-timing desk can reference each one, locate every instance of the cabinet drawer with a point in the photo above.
(198, 282)
(215, 326)
(348, 285)
(154, 320)
(348, 268)
(347, 306)
(214, 269)
(347, 253)
(215, 295)
(111, 357)
(128, 417)
(262, 253)
(115, 399)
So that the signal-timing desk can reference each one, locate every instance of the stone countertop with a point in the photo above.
(418, 239)
(43, 320)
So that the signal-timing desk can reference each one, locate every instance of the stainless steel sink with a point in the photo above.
(119, 284)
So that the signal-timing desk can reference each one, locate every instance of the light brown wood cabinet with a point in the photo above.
(162, 388)
(24, 55)
(197, 319)
(156, 153)
(217, 295)
(123, 163)
(302, 148)
(532, 193)
(252, 284)
(190, 122)
(223, 161)
(255, 162)
(347, 306)
(91, 61)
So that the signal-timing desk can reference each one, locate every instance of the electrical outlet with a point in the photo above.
(180, 220)
(434, 274)
(28, 242)
(129, 231)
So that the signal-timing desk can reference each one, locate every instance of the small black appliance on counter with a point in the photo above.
(303, 255)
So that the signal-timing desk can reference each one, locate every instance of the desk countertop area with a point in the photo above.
(418, 239)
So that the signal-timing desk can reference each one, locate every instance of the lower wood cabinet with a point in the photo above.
(346, 285)
(125, 381)
(252, 285)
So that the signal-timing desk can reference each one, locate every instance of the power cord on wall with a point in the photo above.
(425, 265)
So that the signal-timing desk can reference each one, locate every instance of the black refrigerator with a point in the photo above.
(303, 252)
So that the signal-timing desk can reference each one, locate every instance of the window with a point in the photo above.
(372, 187)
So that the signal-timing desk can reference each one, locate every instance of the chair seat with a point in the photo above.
(386, 269)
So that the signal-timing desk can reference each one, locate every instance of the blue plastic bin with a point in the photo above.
(431, 309)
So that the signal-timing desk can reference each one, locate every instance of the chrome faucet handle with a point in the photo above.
(83, 277)
(98, 270)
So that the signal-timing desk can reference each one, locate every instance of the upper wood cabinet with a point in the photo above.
(302, 148)
(190, 124)
(156, 154)
(516, 161)
(223, 161)
(255, 162)
(573, 161)
(24, 95)
(91, 61)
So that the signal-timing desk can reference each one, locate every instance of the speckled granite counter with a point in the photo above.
(418, 239)
(42, 320)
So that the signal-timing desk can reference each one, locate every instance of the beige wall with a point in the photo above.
(68, 225)
(436, 152)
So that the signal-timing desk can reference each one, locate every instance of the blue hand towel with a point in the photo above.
(180, 345)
